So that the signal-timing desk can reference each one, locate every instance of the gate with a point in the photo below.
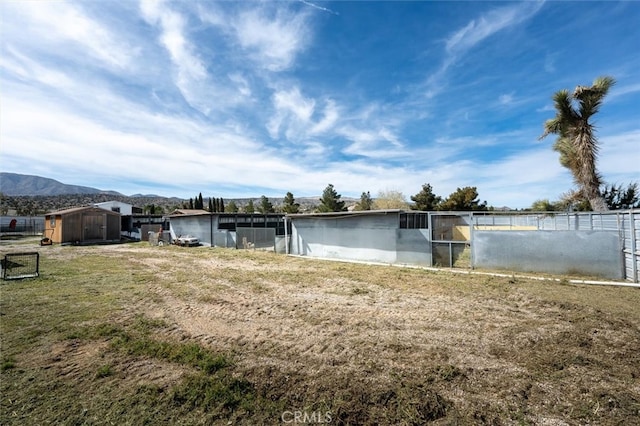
(629, 225)
(451, 240)
(256, 238)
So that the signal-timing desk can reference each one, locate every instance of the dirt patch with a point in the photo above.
(312, 339)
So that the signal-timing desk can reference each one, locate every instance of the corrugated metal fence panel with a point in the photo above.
(632, 247)
(626, 224)
(590, 253)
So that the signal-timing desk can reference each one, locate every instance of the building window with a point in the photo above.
(52, 222)
(414, 220)
(115, 209)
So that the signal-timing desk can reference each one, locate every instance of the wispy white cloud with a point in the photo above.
(241, 82)
(189, 149)
(273, 40)
(27, 69)
(381, 143)
(329, 119)
(202, 90)
(488, 24)
(56, 25)
(271, 36)
(476, 31)
(292, 112)
(190, 72)
(618, 90)
(302, 119)
(550, 63)
(620, 156)
(506, 99)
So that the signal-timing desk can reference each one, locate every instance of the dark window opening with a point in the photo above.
(414, 220)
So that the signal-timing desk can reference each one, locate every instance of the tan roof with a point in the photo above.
(188, 212)
(80, 209)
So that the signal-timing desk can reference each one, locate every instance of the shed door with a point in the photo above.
(93, 226)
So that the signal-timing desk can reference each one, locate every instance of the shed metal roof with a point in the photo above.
(345, 214)
(81, 209)
(188, 212)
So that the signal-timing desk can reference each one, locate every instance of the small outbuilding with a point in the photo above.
(83, 225)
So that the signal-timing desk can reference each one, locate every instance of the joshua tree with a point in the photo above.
(577, 143)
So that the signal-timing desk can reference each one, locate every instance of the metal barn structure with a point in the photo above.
(592, 244)
(236, 230)
(83, 225)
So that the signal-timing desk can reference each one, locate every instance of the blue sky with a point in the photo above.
(242, 99)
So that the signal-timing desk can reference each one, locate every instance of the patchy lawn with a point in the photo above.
(133, 334)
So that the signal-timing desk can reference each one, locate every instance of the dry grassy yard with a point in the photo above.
(133, 334)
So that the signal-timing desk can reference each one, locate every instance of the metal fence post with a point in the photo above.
(634, 260)
(472, 226)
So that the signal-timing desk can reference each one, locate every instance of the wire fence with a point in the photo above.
(20, 265)
(22, 225)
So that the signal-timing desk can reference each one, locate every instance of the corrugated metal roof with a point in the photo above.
(347, 214)
(188, 212)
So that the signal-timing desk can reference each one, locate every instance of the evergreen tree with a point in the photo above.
(265, 205)
(200, 201)
(191, 203)
(330, 201)
(365, 203)
(4, 204)
(463, 199)
(149, 209)
(426, 200)
(211, 205)
(250, 208)
(232, 207)
(290, 206)
(618, 198)
(221, 209)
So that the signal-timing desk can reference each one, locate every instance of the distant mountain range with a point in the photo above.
(16, 184)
